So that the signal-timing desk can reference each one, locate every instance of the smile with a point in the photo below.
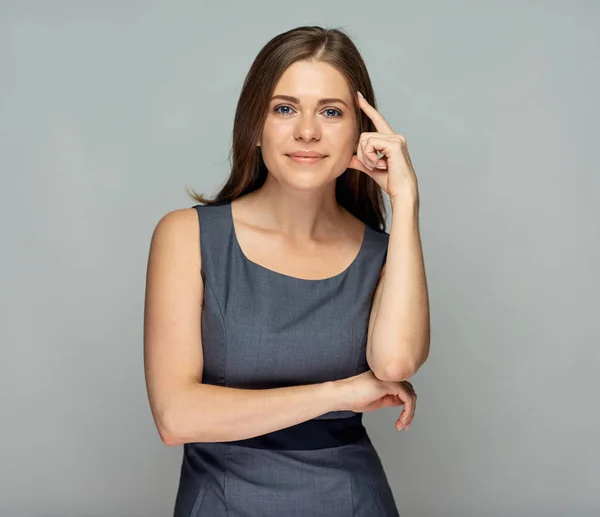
(304, 160)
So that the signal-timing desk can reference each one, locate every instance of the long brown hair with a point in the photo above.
(355, 191)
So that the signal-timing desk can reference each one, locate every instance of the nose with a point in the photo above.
(307, 128)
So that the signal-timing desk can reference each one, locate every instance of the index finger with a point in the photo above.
(380, 123)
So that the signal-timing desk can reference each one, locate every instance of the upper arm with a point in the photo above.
(373, 314)
(172, 313)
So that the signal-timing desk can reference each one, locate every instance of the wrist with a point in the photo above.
(338, 393)
(405, 201)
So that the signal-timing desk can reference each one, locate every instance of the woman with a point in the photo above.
(270, 326)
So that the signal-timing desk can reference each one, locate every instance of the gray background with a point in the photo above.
(108, 110)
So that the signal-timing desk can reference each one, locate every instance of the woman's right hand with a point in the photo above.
(365, 392)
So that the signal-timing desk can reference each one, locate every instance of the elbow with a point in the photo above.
(176, 421)
(397, 370)
(167, 427)
(171, 440)
(395, 373)
(401, 368)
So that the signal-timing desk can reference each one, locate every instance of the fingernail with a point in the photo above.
(360, 94)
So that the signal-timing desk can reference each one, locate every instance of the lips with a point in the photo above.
(307, 154)
(305, 160)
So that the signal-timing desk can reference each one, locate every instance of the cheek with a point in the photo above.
(337, 134)
(347, 142)
(276, 132)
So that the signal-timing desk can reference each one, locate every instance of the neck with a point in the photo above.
(303, 215)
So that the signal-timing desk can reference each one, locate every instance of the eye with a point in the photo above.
(282, 106)
(333, 109)
(277, 108)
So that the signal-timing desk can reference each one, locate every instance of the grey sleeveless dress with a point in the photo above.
(263, 329)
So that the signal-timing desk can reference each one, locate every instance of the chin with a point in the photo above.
(301, 179)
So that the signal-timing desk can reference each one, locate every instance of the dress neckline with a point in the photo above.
(283, 275)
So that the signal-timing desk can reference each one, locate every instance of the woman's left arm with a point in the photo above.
(399, 328)
(398, 333)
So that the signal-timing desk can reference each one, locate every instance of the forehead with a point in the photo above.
(305, 79)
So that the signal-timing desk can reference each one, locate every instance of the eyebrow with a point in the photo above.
(296, 100)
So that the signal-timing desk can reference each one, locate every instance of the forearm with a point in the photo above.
(209, 413)
(401, 331)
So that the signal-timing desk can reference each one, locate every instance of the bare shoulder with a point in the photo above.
(177, 222)
(177, 233)
(174, 260)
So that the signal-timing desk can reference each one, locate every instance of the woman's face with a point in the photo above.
(306, 123)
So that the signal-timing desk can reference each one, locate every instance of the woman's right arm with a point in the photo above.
(184, 409)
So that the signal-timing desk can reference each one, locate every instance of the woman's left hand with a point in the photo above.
(393, 172)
